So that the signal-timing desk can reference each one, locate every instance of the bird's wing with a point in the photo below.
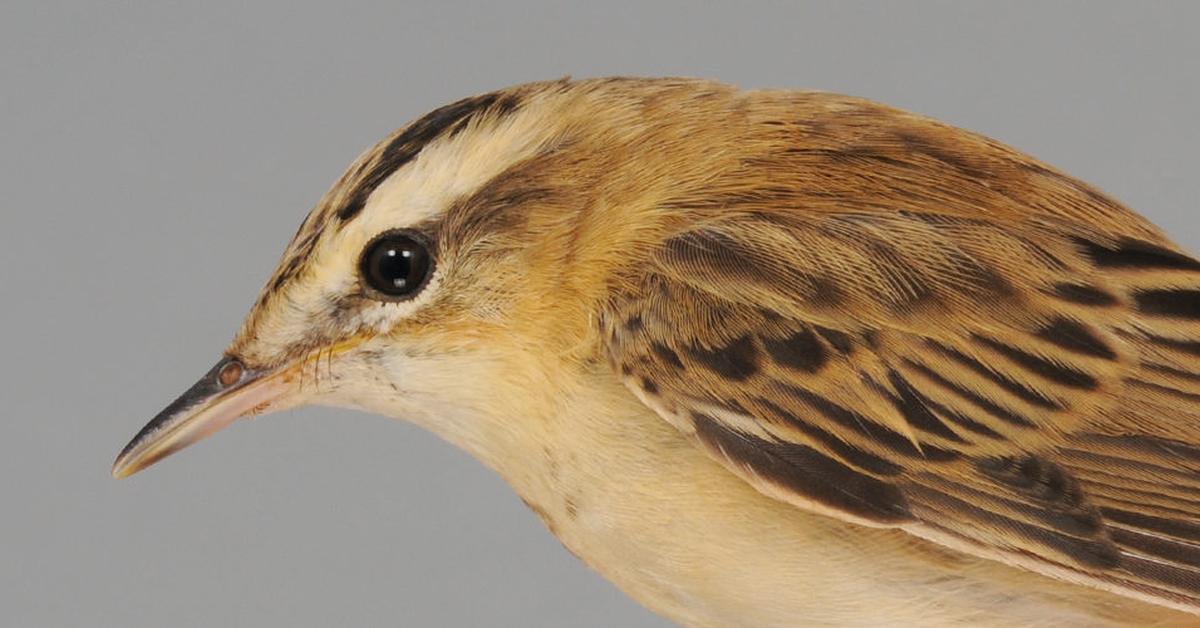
(1025, 390)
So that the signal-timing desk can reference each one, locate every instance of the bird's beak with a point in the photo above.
(227, 392)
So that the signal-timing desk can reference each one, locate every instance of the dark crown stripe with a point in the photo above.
(444, 121)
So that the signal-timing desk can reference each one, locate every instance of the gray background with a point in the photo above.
(155, 158)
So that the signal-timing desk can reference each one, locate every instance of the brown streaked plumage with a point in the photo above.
(764, 358)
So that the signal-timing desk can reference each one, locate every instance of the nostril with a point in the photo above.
(230, 374)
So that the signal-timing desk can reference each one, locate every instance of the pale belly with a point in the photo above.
(625, 492)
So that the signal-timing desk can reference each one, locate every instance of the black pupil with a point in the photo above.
(396, 265)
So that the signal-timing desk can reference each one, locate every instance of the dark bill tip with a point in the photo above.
(191, 416)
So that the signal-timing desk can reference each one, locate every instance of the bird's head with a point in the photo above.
(457, 269)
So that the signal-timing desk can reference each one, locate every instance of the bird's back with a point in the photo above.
(882, 318)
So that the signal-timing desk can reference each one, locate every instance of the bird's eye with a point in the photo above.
(395, 265)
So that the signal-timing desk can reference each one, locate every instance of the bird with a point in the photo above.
(759, 357)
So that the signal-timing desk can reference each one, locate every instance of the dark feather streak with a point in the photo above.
(1018, 389)
(1074, 336)
(1036, 477)
(667, 355)
(885, 436)
(1041, 366)
(1075, 519)
(1190, 347)
(964, 422)
(1095, 553)
(737, 360)
(837, 446)
(1084, 295)
(992, 408)
(802, 351)
(840, 341)
(1172, 551)
(1136, 254)
(1177, 528)
(1172, 576)
(915, 409)
(1152, 446)
(1169, 303)
(808, 473)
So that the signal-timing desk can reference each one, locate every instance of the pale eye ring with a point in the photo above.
(395, 265)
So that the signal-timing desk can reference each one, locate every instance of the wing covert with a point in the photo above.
(1018, 389)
